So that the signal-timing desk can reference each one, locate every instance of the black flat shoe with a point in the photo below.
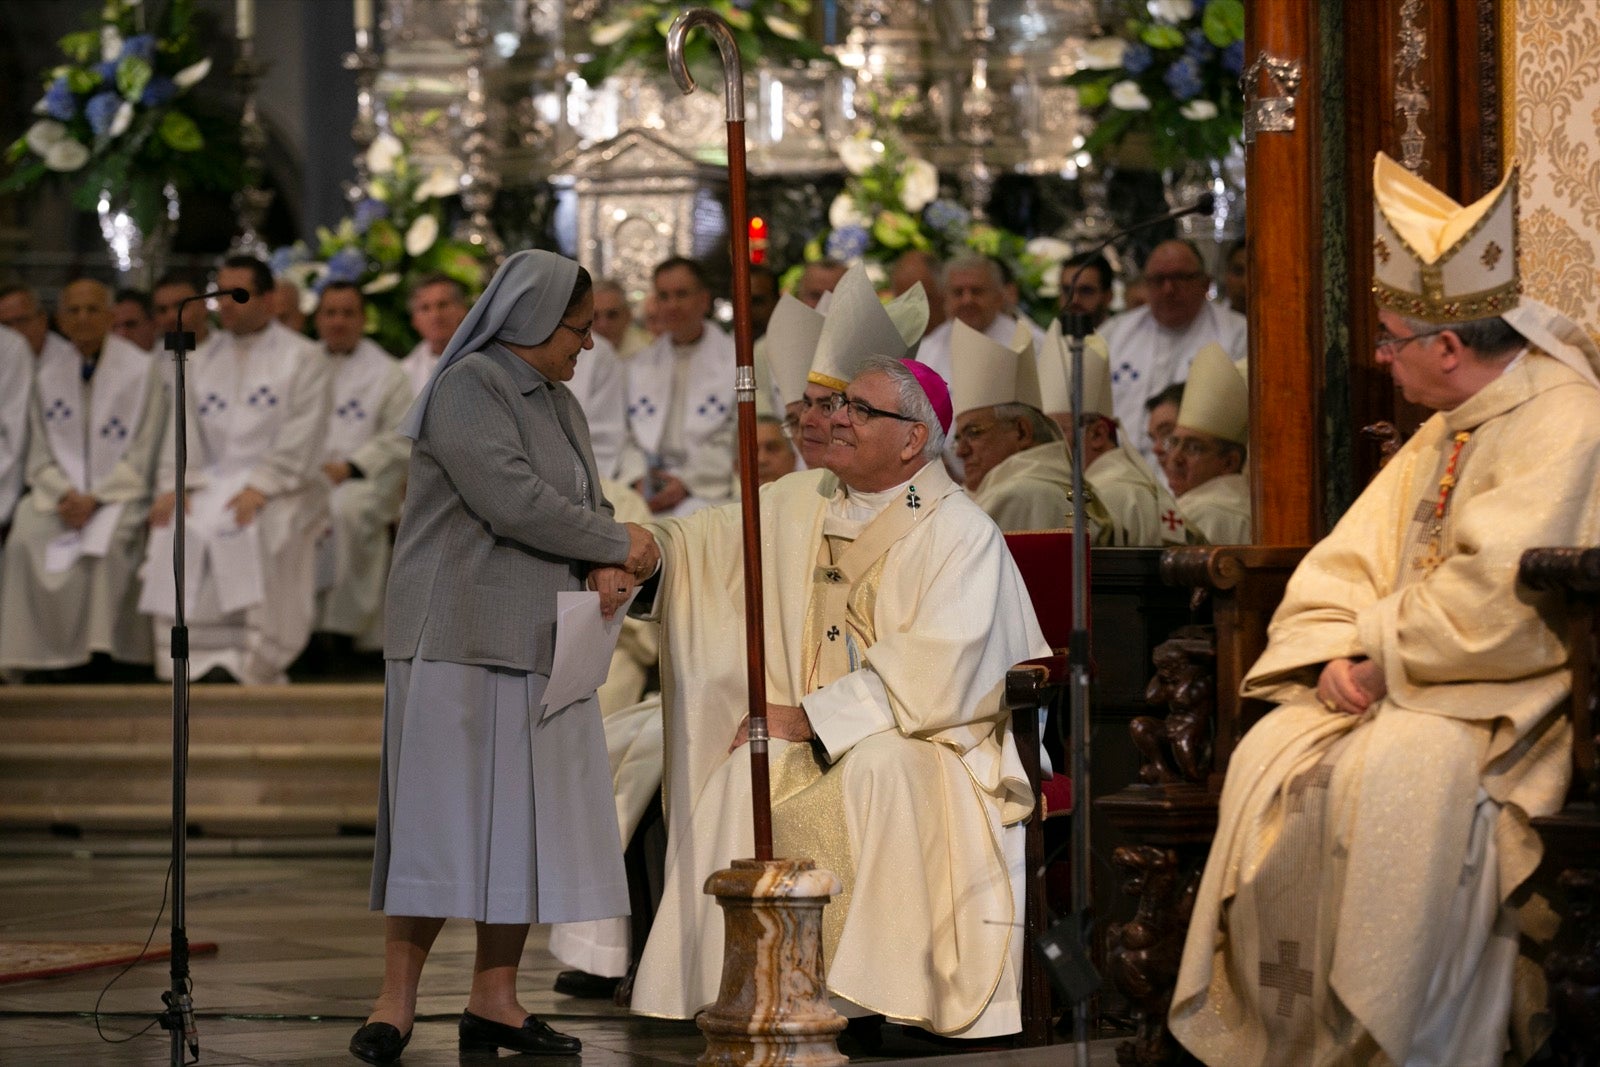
(533, 1036)
(586, 986)
(379, 1043)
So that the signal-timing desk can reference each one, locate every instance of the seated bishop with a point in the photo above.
(1361, 901)
(1206, 451)
(1139, 506)
(70, 586)
(364, 462)
(257, 417)
(1013, 458)
(894, 611)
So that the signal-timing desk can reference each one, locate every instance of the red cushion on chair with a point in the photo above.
(1055, 794)
(1045, 559)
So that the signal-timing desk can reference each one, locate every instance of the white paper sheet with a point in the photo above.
(584, 643)
(62, 551)
(159, 595)
(234, 556)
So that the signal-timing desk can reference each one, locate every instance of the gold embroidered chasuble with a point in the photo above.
(896, 634)
(1360, 860)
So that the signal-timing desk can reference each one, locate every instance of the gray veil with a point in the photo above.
(522, 304)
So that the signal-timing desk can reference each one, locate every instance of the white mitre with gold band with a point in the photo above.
(1055, 374)
(1436, 260)
(792, 336)
(858, 327)
(1216, 399)
(984, 372)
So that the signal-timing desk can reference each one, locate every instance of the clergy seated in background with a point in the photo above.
(169, 293)
(613, 319)
(1140, 510)
(1360, 904)
(437, 304)
(600, 385)
(1206, 451)
(364, 465)
(258, 400)
(1152, 346)
(775, 454)
(23, 311)
(133, 319)
(892, 761)
(287, 305)
(1014, 460)
(918, 267)
(16, 396)
(975, 294)
(679, 450)
(69, 592)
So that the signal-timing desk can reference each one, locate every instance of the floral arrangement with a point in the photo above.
(891, 204)
(636, 34)
(118, 116)
(1171, 73)
(394, 235)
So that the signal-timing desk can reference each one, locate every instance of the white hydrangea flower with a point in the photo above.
(858, 154)
(42, 135)
(382, 153)
(1049, 249)
(110, 44)
(843, 212)
(1103, 53)
(877, 275)
(121, 120)
(439, 183)
(421, 235)
(384, 282)
(1127, 96)
(66, 155)
(919, 186)
(1198, 110)
(1170, 11)
(784, 28)
(609, 33)
(192, 73)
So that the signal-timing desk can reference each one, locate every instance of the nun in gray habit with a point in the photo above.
(491, 806)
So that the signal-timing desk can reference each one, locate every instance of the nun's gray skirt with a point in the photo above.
(484, 811)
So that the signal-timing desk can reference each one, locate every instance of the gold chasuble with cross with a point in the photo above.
(892, 618)
(1354, 909)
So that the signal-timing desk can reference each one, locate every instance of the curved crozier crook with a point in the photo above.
(732, 64)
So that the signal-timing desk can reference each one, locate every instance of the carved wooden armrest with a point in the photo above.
(1575, 572)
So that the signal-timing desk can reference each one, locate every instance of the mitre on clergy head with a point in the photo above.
(1055, 375)
(984, 372)
(859, 326)
(1216, 399)
(792, 335)
(1436, 260)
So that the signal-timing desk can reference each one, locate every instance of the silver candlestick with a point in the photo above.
(479, 180)
(252, 199)
(978, 107)
(364, 62)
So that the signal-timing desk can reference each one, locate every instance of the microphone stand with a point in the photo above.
(1077, 327)
(179, 1016)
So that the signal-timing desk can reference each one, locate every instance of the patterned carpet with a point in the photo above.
(21, 961)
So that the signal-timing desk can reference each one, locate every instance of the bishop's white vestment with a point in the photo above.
(1217, 511)
(257, 417)
(681, 416)
(913, 793)
(1355, 906)
(1032, 490)
(1142, 510)
(371, 395)
(1146, 357)
(67, 594)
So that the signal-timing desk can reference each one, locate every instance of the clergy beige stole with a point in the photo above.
(807, 803)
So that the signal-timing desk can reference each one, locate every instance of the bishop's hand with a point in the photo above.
(1351, 686)
(784, 722)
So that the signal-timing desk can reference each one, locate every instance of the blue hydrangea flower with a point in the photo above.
(142, 45)
(107, 72)
(283, 258)
(1233, 57)
(1197, 47)
(946, 217)
(160, 90)
(59, 103)
(367, 212)
(346, 265)
(101, 109)
(847, 243)
(1183, 78)
(1137, 58)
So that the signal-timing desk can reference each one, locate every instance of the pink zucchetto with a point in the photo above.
(934, 387)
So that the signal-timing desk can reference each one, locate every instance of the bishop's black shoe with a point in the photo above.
(479, 1034)
(586, 986)
(379, 1043)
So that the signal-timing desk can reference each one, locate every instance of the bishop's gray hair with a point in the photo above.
(1043, 426)
(914, 403)
(1490, 339)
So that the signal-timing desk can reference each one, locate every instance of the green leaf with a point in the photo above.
(82, 46)
(1223, 22)
(180, 133)
(1093, 95)
(80, 80)
(133, 74)
(1162, 36)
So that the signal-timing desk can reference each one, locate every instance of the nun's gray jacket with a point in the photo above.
(495, 521)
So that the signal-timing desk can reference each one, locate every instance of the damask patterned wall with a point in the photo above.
(1554, 111)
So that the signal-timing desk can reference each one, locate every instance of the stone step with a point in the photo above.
(262, 759)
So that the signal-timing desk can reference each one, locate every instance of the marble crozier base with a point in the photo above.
(773, 1005)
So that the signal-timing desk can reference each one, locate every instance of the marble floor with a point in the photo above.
(297, 965)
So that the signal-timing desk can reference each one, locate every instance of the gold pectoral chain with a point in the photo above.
(1433, 543)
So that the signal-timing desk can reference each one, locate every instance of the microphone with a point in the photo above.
(180, 340)
(240, 296)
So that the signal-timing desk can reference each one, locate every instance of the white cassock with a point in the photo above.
(1218, 511)
(1142, 510)
(257, 417)
(681, 416)
(371, 395)
(915, 797)
(16, 388)
(1146, 357)
(418, 365)
(67, 594)
(601, 386)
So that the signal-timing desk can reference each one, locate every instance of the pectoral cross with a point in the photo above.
(1430, 558)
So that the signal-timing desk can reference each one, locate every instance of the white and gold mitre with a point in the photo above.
(984, 372)
(858, 327)
(1216, 399)
(792, 335)
(1055, 374)
(1027, 350)
(1436, 260)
